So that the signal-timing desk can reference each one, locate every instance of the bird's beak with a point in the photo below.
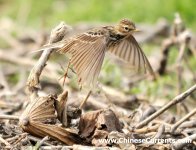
(137, 30)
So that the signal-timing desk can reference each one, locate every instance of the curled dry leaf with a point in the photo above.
(66, 113)
(37, 116)
(97, 125)
(40, 110)
(87, 123)
(61, 108)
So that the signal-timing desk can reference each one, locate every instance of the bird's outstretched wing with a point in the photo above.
(87, 53)
(129, 50)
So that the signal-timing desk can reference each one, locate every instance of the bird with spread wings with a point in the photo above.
(88, 50)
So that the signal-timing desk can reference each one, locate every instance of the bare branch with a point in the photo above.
(10, 117)
(33, 80)
(176, 100)
(182, 142)
(177, 124)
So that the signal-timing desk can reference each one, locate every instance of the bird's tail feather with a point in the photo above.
(57, 45)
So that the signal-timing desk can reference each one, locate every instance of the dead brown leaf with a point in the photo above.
(37, 116)
(97, 125)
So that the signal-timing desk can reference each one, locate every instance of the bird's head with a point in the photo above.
(126, 27)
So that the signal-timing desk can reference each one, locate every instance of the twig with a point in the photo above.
(19, 139)
(179, 66)
(176, 100)
(35, 139)
(33, 80)
(147, 113)
(182, 142)
(161, 122)
(160, 132)
(4, 141)
(16, 137)
(10, 117)
(177, 124)
(188, 124)
(84, 101)
(180, 37)
(166, 44)
(145, 129)
(40, 143)
(58, 147)
(182, 44)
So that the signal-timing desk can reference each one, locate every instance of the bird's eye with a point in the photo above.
(126, 28)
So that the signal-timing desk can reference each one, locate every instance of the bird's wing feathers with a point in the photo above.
(129, 50)
(87, 53)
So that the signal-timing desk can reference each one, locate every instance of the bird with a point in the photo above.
(88, 50)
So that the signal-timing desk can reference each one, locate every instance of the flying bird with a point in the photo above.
(88, 50)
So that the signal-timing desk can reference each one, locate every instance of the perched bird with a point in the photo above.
(88, 50)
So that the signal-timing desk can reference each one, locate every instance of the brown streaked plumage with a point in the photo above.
(88, 50)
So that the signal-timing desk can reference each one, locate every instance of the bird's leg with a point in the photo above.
(84, 101)
(65, 74)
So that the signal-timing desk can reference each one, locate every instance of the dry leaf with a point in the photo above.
(107, 120)
(61, 108)
(42, 111)
(87, 123)
(97, 125)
